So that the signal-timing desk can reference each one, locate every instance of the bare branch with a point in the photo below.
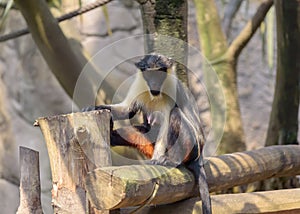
(230, 10)
(246, 34)
(64, 17)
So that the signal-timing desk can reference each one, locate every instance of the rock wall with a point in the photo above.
(34, 91)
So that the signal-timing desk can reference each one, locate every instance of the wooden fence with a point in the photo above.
(84, 180)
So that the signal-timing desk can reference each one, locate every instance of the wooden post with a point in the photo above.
(127, 186)
(77, 143)
(30, 188)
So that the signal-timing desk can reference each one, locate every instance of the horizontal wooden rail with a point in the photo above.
(124, 186)
(277, 201)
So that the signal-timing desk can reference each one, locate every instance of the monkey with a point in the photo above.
(166, 103)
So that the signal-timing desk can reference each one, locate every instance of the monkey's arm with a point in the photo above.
(159, 154)
(127, 108)
(119, 111)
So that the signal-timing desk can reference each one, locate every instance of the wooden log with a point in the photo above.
(278, 201)
(77, 143)
(30, 188)
(132, 185)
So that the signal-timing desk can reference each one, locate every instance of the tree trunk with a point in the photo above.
(214, 45)
(223, 59)
(283, 125)
(233, 138)
(8, 170)
(165, 26)
(43, 26)
(65, 60)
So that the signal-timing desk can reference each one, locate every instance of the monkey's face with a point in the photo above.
(155, 69)
(155, 80)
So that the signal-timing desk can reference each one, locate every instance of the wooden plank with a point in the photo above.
(132, 185)
(30, 188)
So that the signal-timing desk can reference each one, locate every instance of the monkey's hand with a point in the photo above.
(92, 108)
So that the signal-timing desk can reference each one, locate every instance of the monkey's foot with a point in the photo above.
(164, 161)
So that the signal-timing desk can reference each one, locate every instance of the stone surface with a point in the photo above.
(9, 197)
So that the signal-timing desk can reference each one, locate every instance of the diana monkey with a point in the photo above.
(163, 100)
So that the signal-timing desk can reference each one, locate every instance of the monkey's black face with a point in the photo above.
(155, 80)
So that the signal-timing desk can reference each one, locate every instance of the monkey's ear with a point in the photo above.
(166, 62)
(140, 65)
(137, 64)
(171, 61)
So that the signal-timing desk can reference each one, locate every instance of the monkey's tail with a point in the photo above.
(203, 189)
(198, 168)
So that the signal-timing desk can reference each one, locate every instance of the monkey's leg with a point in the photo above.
(182, 138)
(184, 146)
(176, 143)
(134, 137)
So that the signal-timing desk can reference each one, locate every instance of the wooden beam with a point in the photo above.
(132, 185)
